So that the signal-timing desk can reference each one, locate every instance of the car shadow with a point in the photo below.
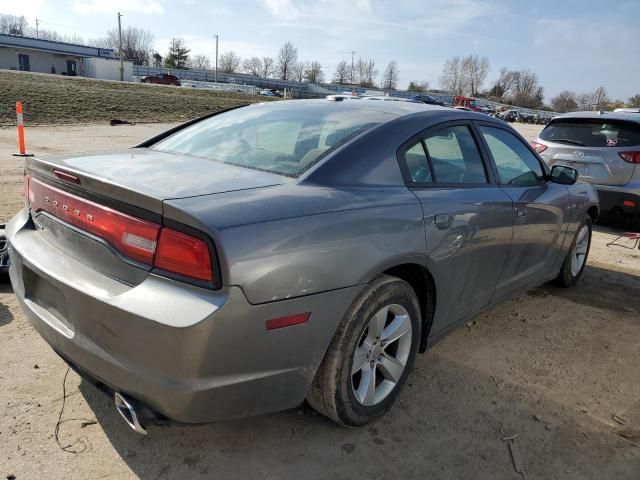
(600, 288)
(6, 317)
(449, 422)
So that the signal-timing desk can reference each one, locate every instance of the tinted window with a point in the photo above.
(516, 164)
(281, 138)
(417, 164)
(455, 156)
(589, 132)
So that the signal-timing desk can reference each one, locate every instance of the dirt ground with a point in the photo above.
(557, 368)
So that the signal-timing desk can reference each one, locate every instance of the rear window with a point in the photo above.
(281, 138)
(588, 132)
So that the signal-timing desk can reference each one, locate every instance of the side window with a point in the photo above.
(516, 164)
(417, 164)
(455, 156)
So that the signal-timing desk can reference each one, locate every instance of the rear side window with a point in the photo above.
(417, 164)
(515, 162)
(589, 132)
(455, 156)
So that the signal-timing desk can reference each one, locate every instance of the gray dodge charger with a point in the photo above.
(246, 261)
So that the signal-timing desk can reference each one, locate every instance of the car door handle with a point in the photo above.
(521, 215)
(443, 220)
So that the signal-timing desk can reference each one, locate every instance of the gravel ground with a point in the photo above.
(558, 368)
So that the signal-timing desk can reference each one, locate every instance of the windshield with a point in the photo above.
(281, 138)
(589, 132)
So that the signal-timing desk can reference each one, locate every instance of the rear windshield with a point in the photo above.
(282, 138)
(588, 132)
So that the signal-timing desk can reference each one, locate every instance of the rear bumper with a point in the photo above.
(192, 355)
(625, 199)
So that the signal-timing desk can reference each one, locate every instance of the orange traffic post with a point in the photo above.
(22, 150)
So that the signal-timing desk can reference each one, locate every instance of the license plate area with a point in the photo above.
(46, 297)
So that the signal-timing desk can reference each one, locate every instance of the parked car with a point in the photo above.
(387, 98)
(605, 149)
(242, 262)
(162, 79)
(266, 93)
(627, 110)
(4, 252)
(429, 100)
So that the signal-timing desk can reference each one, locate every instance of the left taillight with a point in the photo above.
(140, 240)
(631, 157)
(538, 147)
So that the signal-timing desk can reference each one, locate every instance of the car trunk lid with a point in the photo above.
(144, 178)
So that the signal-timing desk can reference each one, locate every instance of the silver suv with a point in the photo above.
(605, 149)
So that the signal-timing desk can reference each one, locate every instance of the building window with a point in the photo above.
(23, 60)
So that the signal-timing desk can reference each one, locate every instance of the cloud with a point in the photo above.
(93, 7)
(29, 8)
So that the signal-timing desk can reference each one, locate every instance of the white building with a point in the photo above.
(59, 58)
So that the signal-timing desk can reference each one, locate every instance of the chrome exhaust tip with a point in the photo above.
(128, 412)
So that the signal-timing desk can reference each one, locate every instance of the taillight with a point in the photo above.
(631, 157)
(538, 147)
(26, 189)
(140, 240)
(183, 254)
(132, 237)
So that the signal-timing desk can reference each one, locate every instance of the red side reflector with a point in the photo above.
(538, 147)
(631, 157)
(628, 203)
(66, 176)
(288, 321)
(183, 254)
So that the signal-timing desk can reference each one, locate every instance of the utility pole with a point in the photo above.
(215, 77)
(120, 47)
(352, 54)
(37, 28)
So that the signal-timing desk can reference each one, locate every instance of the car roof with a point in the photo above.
(634, 117)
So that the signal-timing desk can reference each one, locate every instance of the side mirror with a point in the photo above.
(564, 175)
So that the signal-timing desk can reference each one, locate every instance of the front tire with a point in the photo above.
(370, 355)
(576, 258)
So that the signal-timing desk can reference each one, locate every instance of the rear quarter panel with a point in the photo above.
(292, 240)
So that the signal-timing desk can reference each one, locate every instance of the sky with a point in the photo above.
(571, 44)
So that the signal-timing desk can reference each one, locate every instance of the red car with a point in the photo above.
(164, 79)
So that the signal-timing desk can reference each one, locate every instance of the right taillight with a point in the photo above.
(631, 157)
(183, 254)
(538, 147)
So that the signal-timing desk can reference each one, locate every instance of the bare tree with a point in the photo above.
(390, 76)
(564, 102)
(420, 87)
(200, 62)
(634, 101)
(136, 44)
(601, 98)
(503, 84)
(13, 24)
(314, 73)
(229, 62)
(268, 67)
(452, 78)
(527, 92)
(342, 73)
(474, 71)
(287, 58)
(253, 66)
(58, 37)
(584, 101)
(298, 71)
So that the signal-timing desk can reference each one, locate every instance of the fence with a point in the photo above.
(302, 89)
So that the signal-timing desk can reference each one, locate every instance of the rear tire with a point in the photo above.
(576, 258)
(634, 223)
(370, 355)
